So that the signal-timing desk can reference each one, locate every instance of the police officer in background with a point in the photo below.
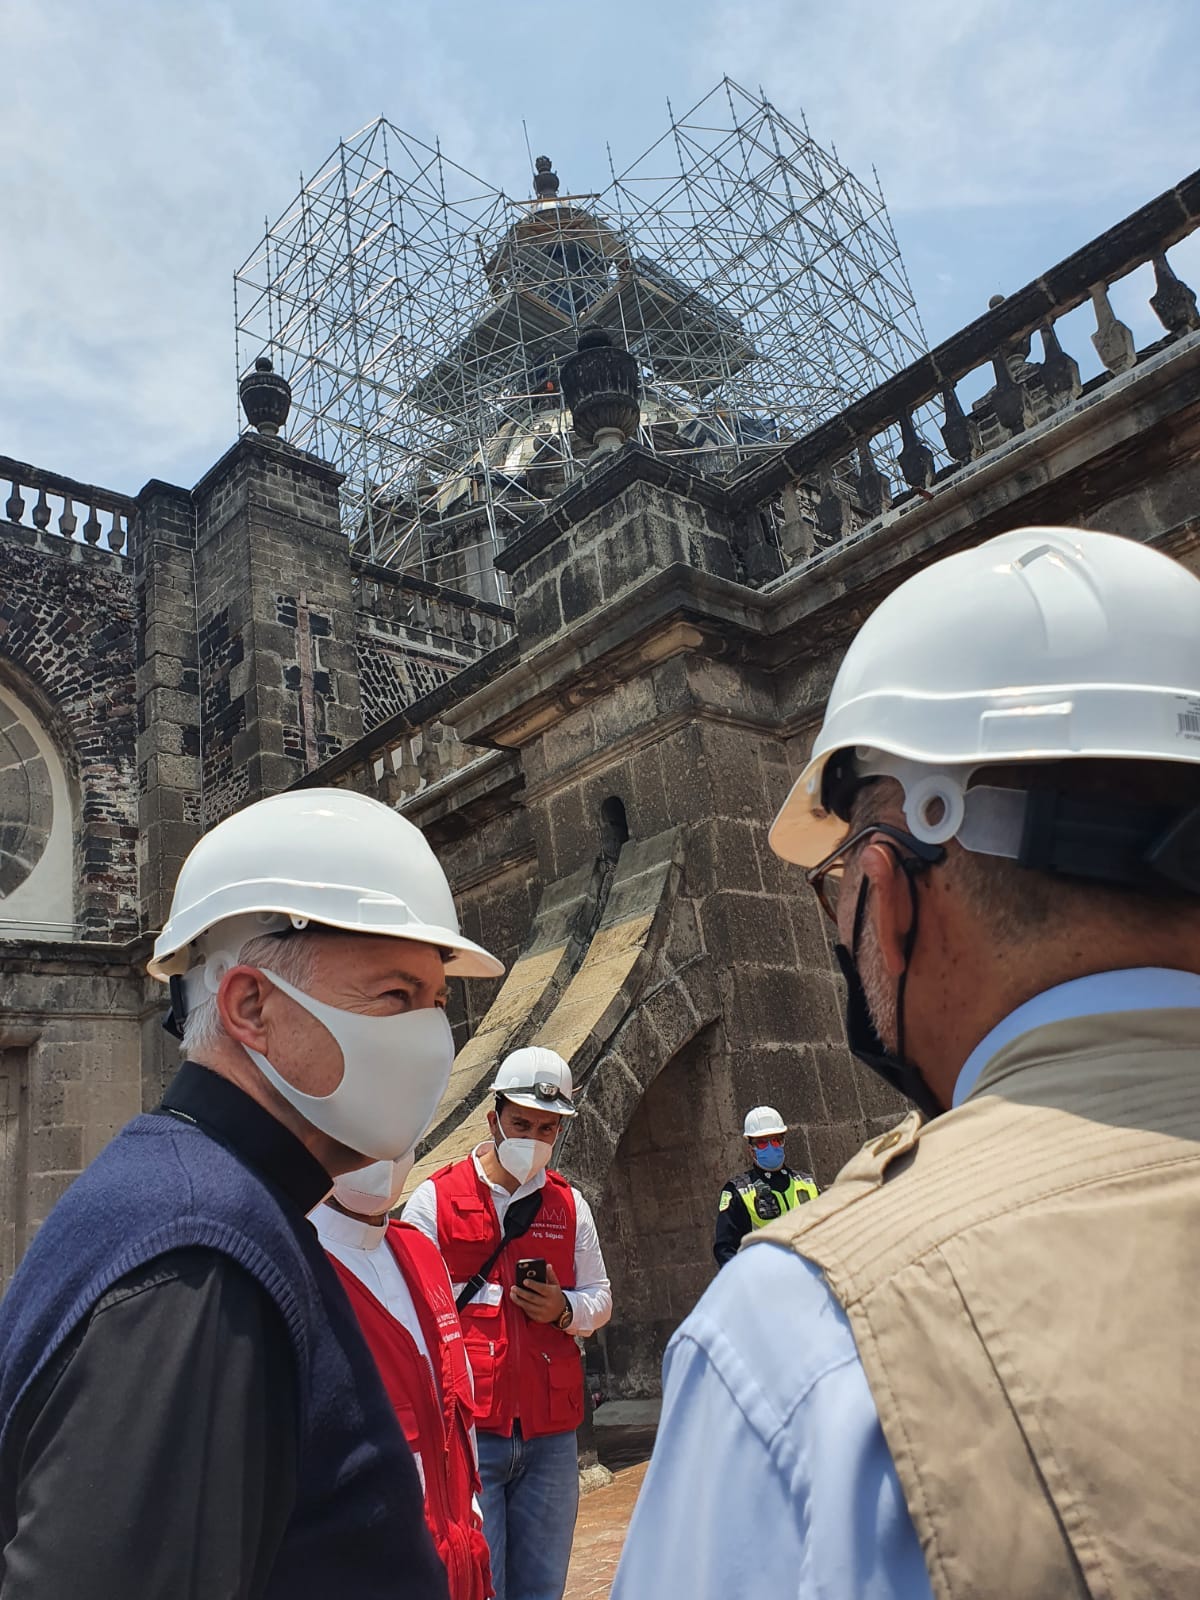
(764, 1191)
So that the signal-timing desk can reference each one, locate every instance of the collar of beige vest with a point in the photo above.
(1098, 994)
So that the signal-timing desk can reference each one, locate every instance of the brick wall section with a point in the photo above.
(276, 621)
(391, 675)
(68, 622)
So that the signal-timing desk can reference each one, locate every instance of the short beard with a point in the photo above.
(880, 990)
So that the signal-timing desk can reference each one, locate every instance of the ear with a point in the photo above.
(889, 904)
(493, 1122)
(240, 1000)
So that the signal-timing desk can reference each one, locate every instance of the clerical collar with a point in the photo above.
(228, 1115)
(353, 1233)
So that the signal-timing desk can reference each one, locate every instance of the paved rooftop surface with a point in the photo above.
(599, 1534)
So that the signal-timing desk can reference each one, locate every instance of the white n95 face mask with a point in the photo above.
(394, 1072)
(522, 1158)
(373, 1189)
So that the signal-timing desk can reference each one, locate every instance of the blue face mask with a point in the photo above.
(769, 1156)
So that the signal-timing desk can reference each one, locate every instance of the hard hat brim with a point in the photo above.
(361, 912)
(560, 1106)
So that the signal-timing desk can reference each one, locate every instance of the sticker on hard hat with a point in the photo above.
(1188, 724)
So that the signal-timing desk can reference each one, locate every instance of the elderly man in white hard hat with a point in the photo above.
(187, 1406)
(767, 1189)
(521, 1247)
(978, 1375)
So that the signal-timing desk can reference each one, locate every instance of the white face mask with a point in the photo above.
(394, 1072)
(373, 1189)
(523, 1157)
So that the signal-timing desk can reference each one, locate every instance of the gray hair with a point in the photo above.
(291, 957)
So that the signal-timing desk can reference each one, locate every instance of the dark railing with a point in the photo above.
(822, 488)
(37, 499)
(416, 611)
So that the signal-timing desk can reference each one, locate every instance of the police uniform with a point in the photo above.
(753, 1199)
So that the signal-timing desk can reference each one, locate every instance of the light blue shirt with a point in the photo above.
(770, 1474)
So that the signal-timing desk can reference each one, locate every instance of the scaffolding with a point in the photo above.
(420, 315)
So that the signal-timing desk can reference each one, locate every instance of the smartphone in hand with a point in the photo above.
(531, 1270)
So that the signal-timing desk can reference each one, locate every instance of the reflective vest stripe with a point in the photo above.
(797, 1192)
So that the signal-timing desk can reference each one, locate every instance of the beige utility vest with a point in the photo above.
(1022, 1276)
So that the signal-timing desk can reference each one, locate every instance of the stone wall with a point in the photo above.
(70, 1074)
(68, 625)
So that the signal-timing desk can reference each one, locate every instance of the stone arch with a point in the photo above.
(38, 816)
(658, 1205)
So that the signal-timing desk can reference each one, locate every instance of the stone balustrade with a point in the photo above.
(826, 487)
(63, 508)
(429, 615)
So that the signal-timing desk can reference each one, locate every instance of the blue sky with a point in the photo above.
(144, 141)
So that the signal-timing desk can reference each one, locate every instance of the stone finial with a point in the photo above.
(266, 398)
(600, 385)
(545, 179)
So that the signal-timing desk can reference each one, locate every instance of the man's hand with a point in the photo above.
(541, 1302)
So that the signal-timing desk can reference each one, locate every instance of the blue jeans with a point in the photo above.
(530, 1500)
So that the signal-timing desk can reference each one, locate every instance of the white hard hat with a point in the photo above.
(323, 856)
(537, 1078)
(1043, 644)
(762, 1121)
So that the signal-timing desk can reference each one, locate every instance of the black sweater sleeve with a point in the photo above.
(157, 1454)
(733, 1224)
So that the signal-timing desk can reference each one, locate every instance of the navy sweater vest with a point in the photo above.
(358, 1529)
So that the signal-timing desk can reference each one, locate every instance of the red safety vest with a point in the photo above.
(436, 1425)
(523, 1370)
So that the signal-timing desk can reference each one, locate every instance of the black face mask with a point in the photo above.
(861, 1035)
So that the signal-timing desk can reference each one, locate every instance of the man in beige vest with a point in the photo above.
(979, 1371)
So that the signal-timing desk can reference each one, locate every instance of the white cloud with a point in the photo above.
(143, 142)
(974, 104)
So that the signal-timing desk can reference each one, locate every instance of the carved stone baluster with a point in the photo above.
(796, 534)
(958, 435)
(41, 511)
(407, 771)
(68, 522)
(1060, 372)
(91, 528)
(116, 534)
(487, 633)
(387, 787)
(916, 460)
(1112, 339)
(14, 506)
(428, 763)
(469, 631)
(833, 513)
(1172, 302)
(874, 490)
(1009, 400)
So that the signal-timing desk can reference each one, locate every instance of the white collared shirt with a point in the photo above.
(590, 1299)
(357, 1245)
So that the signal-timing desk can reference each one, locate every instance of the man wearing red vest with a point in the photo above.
(520, 1339)
(397, 1283)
